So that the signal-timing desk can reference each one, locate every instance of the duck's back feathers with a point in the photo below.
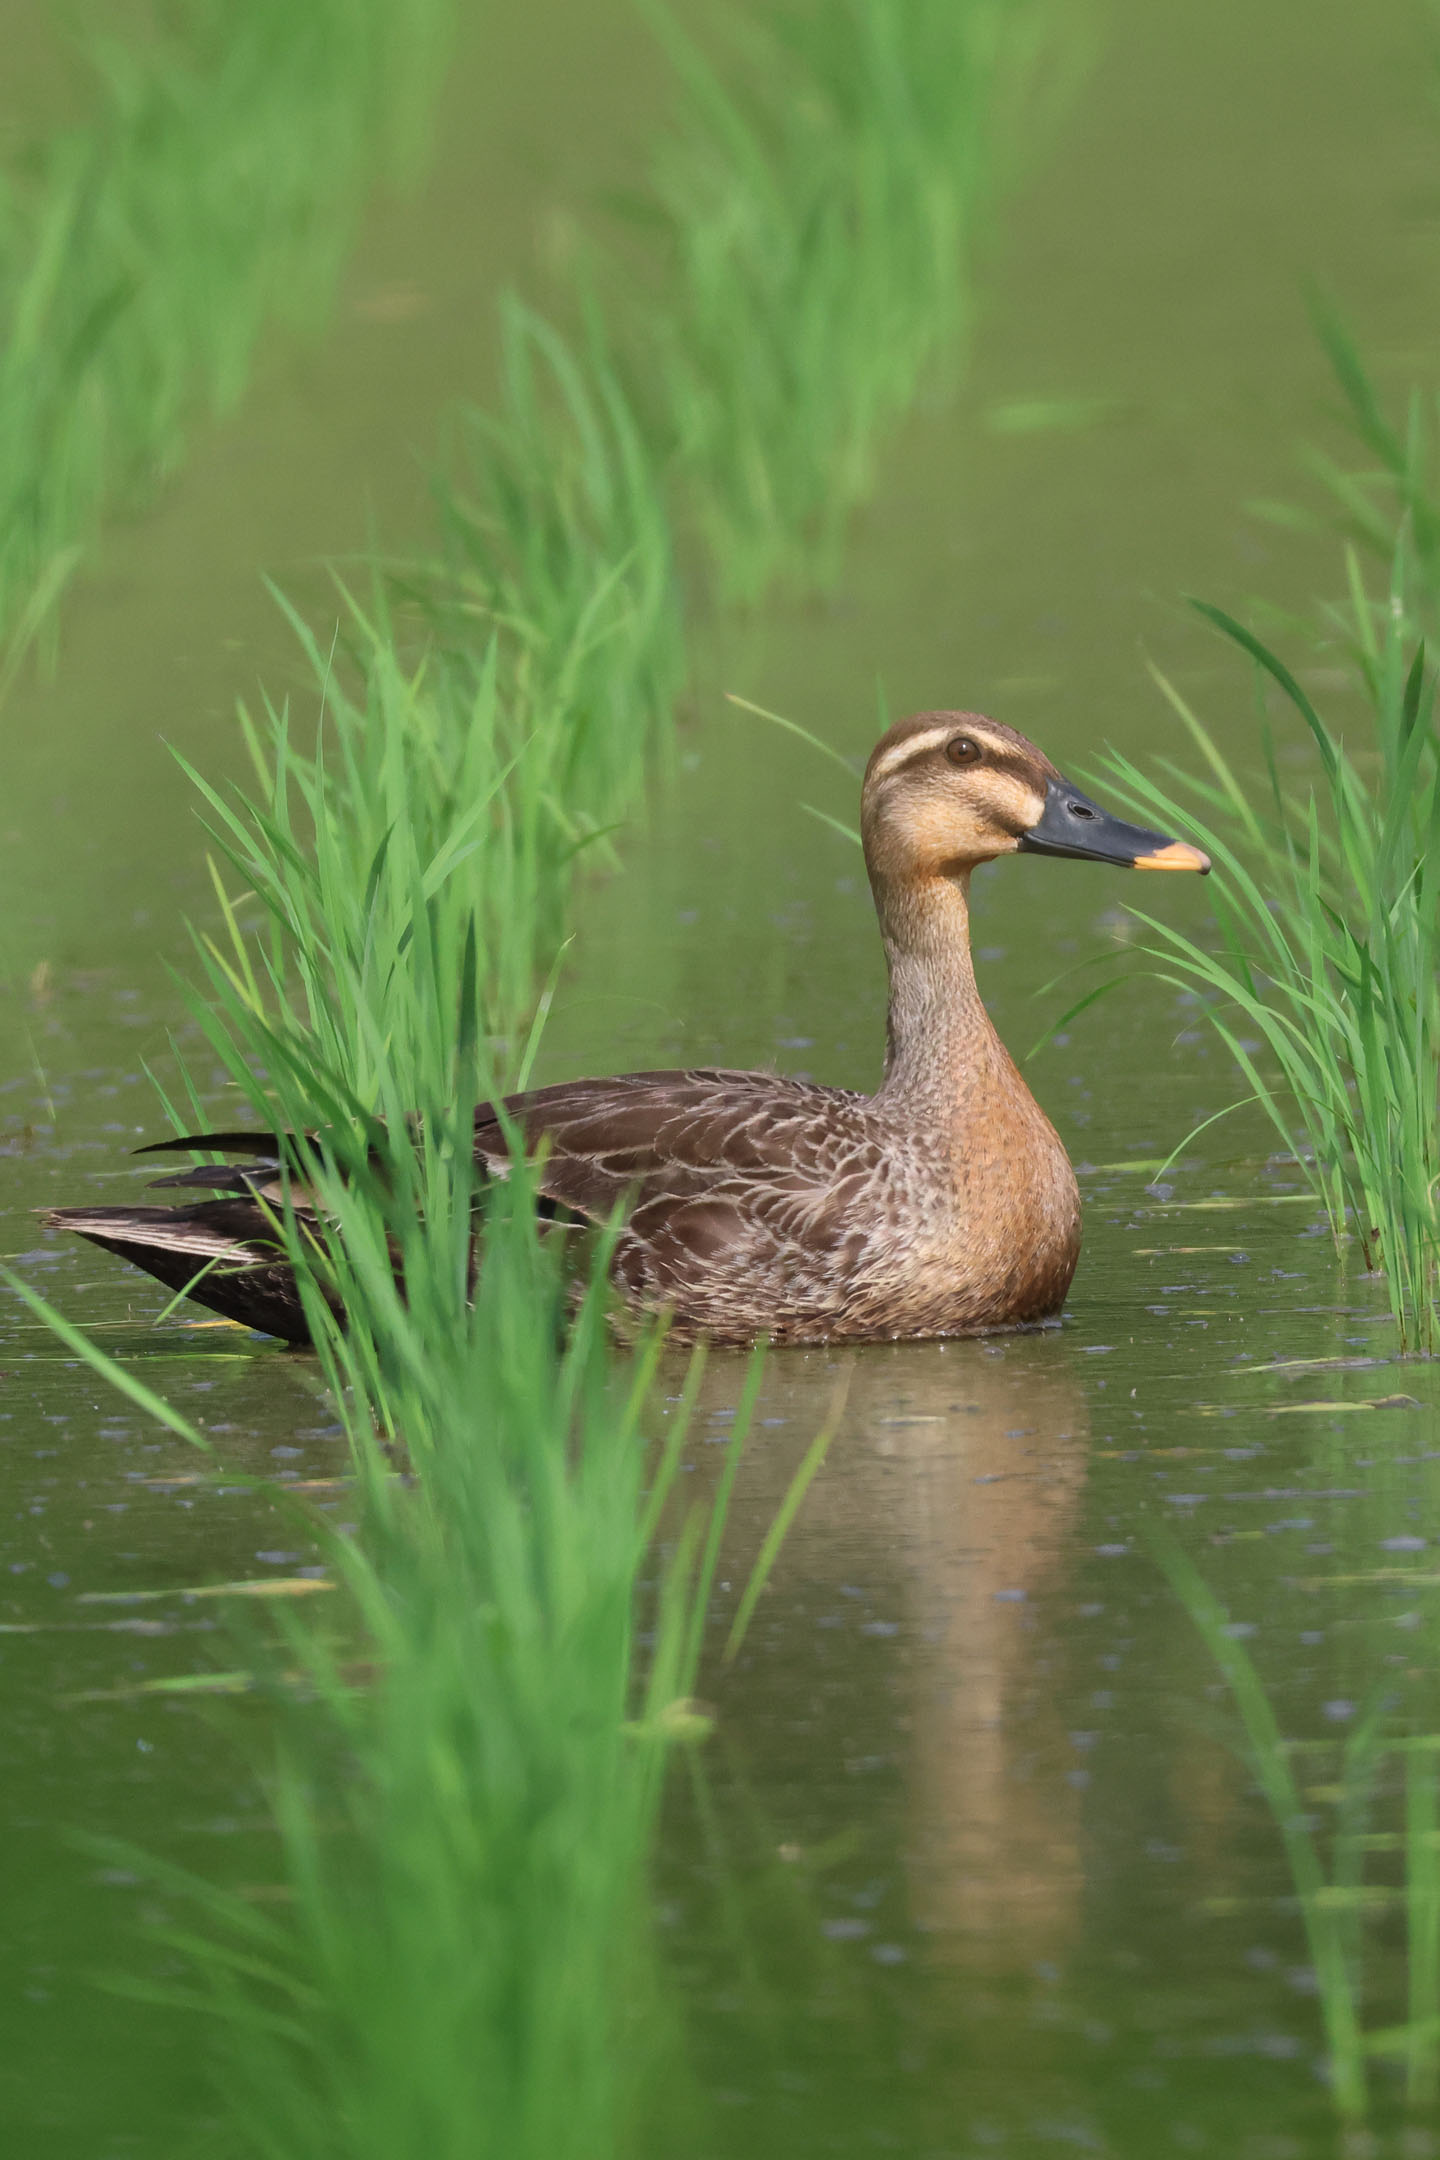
(600, 1141)
(737, 1188)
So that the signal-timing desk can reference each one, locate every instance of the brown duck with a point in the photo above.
(944, 1204)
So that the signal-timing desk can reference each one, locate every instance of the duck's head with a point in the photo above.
(947, 790)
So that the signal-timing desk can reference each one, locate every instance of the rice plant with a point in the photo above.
(466, 1966)
(1326, 901)
(556, 535)
(1330, 1889)
(141, 256)
(466, 1791)
(469, 1754)
(1327, 898)
(464, 1820)
(421, 786)
(1396, 489)
(821, 194)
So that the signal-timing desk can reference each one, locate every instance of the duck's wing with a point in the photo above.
(735, 1186)
(597, 1143)
(716, 1172)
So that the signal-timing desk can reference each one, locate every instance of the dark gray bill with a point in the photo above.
(1073, 825)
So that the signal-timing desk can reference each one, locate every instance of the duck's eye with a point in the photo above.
(963, 750)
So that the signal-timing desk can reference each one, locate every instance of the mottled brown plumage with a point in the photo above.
(944, 1204)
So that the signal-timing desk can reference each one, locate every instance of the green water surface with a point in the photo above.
(970, 1867)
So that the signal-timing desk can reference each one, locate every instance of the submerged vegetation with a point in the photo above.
(1334, 1898)
(216, 188)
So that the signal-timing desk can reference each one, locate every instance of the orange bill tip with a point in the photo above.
(1179, 855)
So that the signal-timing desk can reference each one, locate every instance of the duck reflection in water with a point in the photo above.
(948, 1500)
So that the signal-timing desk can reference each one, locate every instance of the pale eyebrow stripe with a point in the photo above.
(998, 758)
(916, 746)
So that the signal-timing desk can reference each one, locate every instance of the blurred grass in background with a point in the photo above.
(821, 194)
(216, 189)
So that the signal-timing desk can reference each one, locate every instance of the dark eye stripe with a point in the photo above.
(1018, 766)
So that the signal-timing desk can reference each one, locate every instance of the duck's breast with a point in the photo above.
(982, 1227)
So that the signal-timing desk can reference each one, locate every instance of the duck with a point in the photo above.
(752, 1203)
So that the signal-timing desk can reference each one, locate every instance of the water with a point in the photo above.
(970, 1867)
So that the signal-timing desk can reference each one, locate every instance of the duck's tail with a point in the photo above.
(222, 1253)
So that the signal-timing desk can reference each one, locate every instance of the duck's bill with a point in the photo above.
(1073, 825)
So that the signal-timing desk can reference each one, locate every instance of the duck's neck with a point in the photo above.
(940, 1040)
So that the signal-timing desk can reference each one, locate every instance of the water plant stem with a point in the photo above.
(1422, 1920)
(1326, 1920)
(1334, 1898)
